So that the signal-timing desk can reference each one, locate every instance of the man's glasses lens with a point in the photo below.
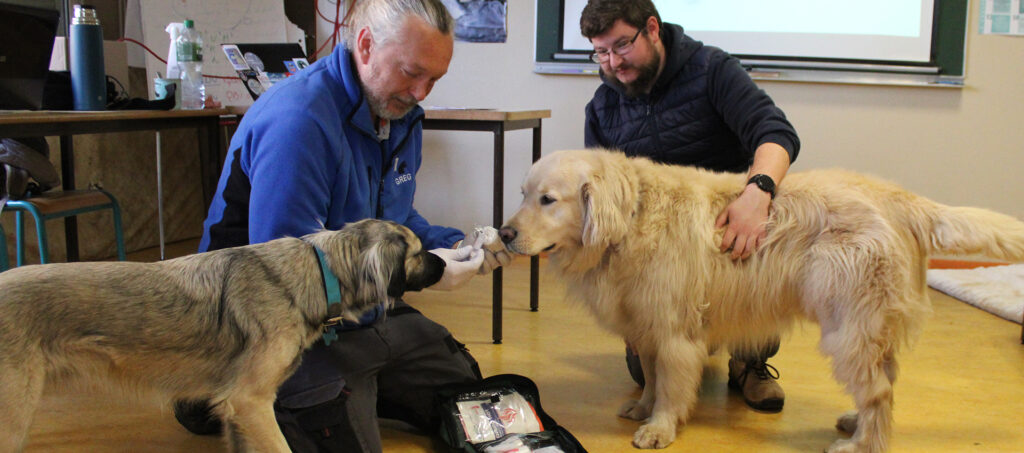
(620, 49)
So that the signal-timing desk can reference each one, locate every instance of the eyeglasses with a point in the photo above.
(620, 49)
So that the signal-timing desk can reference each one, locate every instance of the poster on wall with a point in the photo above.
(479, 20)
(1001, 17)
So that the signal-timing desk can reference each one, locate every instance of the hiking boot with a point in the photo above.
(757, 381)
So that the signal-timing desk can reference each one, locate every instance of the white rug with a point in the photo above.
(998, 289)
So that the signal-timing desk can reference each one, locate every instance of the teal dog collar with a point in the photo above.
(332, 287)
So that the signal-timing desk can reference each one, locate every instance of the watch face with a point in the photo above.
(764, 182)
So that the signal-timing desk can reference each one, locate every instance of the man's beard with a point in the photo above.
(646, 73)
(379, 104)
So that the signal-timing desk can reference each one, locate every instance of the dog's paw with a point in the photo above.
(844, 446)
(633, 410)
(653, 435)
(847, 422)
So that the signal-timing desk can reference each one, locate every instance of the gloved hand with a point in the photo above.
(460, 265)
(495, 253)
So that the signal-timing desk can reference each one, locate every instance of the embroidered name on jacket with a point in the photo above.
(403, 179)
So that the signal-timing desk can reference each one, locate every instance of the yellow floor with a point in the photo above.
(961, 387)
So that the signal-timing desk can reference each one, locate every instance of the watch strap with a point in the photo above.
(763, 182)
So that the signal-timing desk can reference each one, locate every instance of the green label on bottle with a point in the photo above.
(189, 51)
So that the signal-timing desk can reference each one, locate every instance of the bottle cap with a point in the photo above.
(84, 15)
(189, 23)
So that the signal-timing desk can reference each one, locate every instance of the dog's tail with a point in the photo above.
(975, 231)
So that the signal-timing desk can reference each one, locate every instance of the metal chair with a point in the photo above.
(60, 204)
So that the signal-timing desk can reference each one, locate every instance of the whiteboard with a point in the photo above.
(218, 22)
(883, 30)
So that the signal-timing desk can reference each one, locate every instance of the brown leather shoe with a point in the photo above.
(757, 381)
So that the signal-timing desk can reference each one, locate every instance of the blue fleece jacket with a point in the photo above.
(306, 156)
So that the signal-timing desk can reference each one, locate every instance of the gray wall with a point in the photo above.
(961, 147)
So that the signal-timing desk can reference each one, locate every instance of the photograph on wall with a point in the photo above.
(479, 20)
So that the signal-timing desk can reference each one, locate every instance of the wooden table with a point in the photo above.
(66, 124)
(496, 122)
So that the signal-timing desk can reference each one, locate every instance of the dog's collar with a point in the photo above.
(332, 287)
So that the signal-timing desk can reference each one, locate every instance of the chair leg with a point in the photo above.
(4, 260)
(20, 208)
(19, 238)
(118, 231)
(44, 250)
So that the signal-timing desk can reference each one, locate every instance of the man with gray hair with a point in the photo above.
(338, 142)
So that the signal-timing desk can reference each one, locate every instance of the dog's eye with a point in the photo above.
(545, 199)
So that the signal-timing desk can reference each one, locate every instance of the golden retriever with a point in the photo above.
(228, 325)
(636, 244)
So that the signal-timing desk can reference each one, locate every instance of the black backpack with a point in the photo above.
(25, 168)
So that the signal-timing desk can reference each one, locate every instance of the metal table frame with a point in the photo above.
(68, 124)
(496, 122)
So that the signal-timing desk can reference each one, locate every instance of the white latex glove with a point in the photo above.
(495, 253)
(460, 265)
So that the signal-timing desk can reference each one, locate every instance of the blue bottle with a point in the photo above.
(88, 75)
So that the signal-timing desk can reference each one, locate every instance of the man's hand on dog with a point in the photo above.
(460, 265)
(745, 219)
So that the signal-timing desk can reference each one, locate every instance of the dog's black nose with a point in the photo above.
(507, 234)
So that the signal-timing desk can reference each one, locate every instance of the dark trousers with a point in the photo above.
(748, 355)
(389, 370)
(758, 354)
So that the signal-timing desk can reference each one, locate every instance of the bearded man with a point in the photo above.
(673, 99)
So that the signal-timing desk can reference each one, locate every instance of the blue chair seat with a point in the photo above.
(59, 204)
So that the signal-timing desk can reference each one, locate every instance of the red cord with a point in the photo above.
(165, 61)
(344, 21)
(316, 5)
(144, 47)
(337, 14)
(337, 24)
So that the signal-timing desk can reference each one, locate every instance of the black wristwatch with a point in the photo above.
(763, 182)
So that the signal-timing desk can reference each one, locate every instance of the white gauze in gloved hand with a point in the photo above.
(486, 238)
(460, 265)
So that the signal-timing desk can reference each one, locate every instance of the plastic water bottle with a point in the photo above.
(88, 76)
(189, 49)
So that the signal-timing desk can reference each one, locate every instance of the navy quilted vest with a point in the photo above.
(678, 122)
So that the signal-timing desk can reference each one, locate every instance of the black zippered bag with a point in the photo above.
(482, 411)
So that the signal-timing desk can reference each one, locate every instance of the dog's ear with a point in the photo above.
(609, 200)
(384, 267)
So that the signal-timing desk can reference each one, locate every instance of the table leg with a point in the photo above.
(160, 196)
(67, 182)
(499, 214)
(535, 260)
(209, 157)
